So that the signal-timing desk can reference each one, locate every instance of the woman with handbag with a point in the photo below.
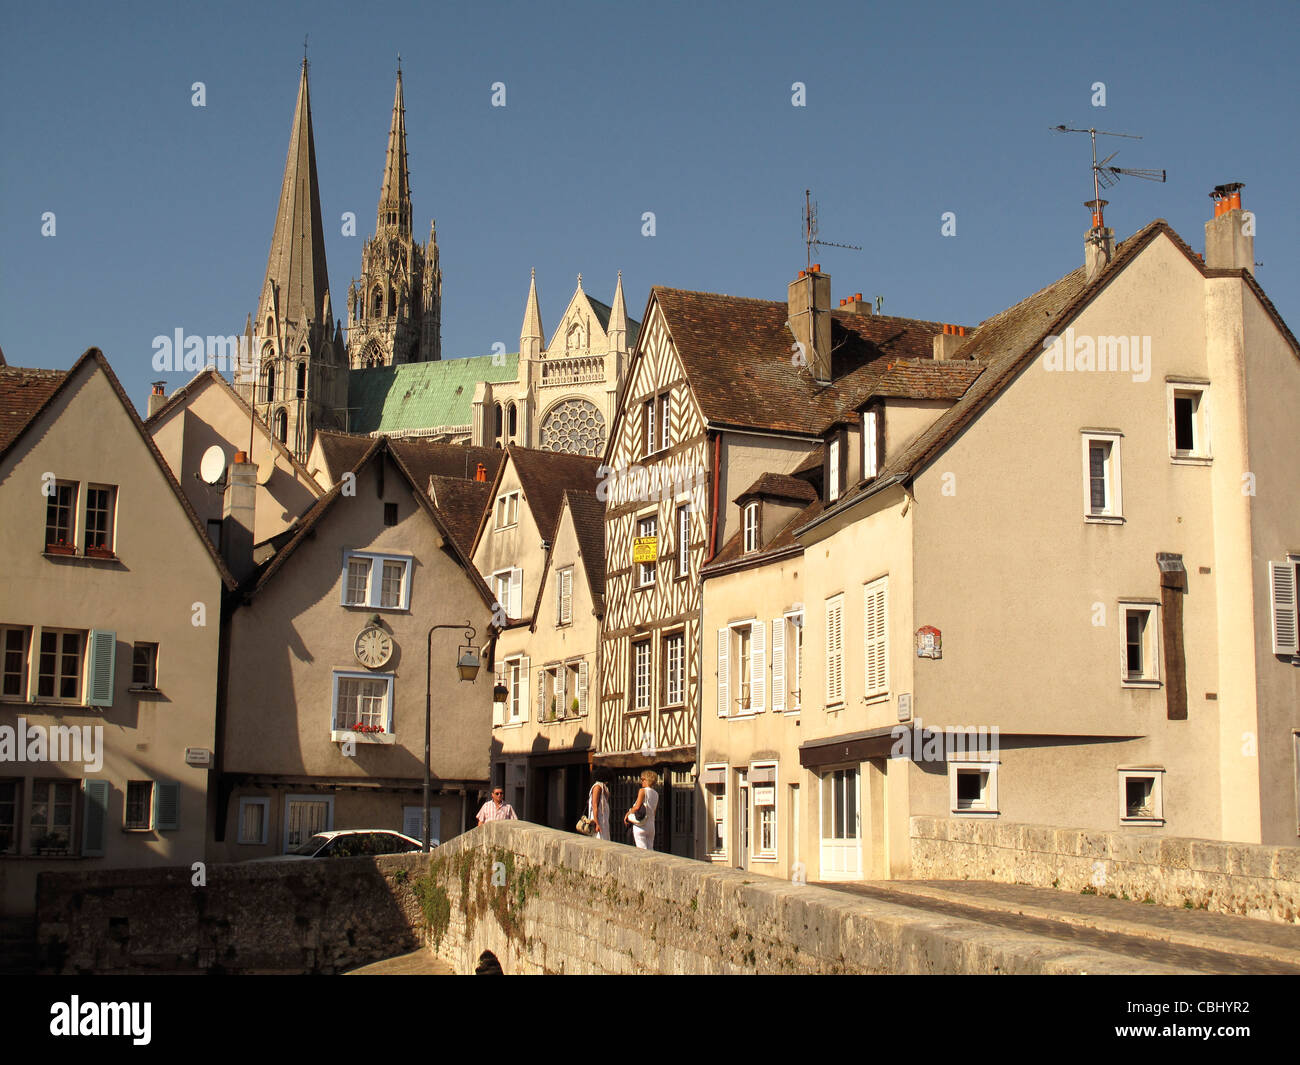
(598, 809)
(642, 815)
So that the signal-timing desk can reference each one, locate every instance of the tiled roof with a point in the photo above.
(603, 311)
(422, 395)
(426, 458)
(927, 379)
(780, 486)
(462, 504)
(738, 356)
(545, 476)
(733, 552)
(341, 451)
(589, 525)
(23, 392)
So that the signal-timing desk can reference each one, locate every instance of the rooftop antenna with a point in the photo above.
(1105, 175)
(810, 229)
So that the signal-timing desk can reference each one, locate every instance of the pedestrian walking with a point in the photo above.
(642, 815)
(598, 806)
(496, 808)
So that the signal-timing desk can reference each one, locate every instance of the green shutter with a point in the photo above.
(95, 818)
(101, 657)
(166, 806)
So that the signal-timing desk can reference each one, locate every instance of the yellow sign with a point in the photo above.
(645, 549)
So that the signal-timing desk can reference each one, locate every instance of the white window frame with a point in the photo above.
(564, 596)
(1200, 453)
(870, 444)
(338, 735)
(1113, 511)
(757, 852)
(750, 523)
(833, 470)
(375, 581)
(715, 797)
(151, 683)
(34, 658)
(683, 540)
(111, 512)
(679, 636)
(649, 409)
(25, 665)
(756, 664)
(74, 513)
(1157, 816)
(513, 581)
(988, 802)
(507, 510)
(642, 680)
(289, 800)
(265, 804)
(875, 644)
(1151, 643)
(834, 653)
(665, 402)
(516, 672)
(793, 651)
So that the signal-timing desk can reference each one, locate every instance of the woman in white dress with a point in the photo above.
(598, 807)
(642, 815)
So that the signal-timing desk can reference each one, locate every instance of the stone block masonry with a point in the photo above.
(1245, 879)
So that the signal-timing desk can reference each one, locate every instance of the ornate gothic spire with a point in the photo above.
(617, 331)
(531, 338)
(395, 194)
(296, 265)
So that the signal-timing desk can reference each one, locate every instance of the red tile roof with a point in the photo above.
(23, 392)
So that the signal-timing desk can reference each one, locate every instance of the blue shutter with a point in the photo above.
(101, 657)
(166, 806)
(95, 818)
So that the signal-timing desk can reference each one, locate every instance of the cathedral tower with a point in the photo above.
(298, 378)
(395, 310)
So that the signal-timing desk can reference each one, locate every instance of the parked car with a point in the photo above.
(349, 843)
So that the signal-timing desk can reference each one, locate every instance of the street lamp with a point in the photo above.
(467, 665)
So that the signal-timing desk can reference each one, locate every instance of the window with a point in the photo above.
(376, 581)
(1283, 581)
(1141, 650)
(833, 471)
(13, 648)
(252, 820)
(281, 426)
(742, 668)
(665, 421)
(876, 637)
(144, 665)
(576, 685)
(1189, 422)
(787, 661)
(139, 804)
(835, 651)
(649, 422)
(363, 702)
(51, 822)
(390, 513)
(268, 379)
(870, 443)
(683, 541)
(507, 510)
(840, 804)
(302, 380)
(645, 571)
(1102, 501)
(551, 683)
(514, 677)
(674, 668)
(641, 675)
(973, 788)
(715, 799)
(499, 421)
(58, 670)
(564, 596)
(1141, 796)
(762, 782)
(60, 514)
(751, 526)
(512, 417)
(99, 518)
(508, 587)
(9, 792)
(744, 644)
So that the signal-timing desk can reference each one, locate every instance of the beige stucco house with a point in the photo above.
(110, 616)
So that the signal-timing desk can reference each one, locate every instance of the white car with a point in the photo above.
(350, 843)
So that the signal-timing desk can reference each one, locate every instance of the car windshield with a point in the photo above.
(310, 846)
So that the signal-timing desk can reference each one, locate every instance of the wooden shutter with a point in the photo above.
(542, 693)
(566, 595)
(166, 806)
(875, 637)
(723, 677)
(101, 657)
(778, 663)
(525, 667)
(499, 709)
(1282, 582)
(834, 652)
(95, 817)
(582, 687)
(515, 609)
(758, 667)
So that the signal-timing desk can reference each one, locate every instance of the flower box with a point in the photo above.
(60, 549)
(100, 552)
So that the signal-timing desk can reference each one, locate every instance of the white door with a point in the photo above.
(304, 816)
(841, 834)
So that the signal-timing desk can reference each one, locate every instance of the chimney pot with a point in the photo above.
(1227, 245)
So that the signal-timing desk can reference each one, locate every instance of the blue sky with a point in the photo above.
(164, 210)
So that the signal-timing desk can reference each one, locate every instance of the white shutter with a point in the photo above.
(541, 694)
(499, 709)
(869, 442)
(778, 663)
(566, 595)
(723, 677)
(515, 609)
(833, 489)
(582, 687)
(758, 669)
(875, 637)
(525, 665)
(1282, 582)
(834, 652)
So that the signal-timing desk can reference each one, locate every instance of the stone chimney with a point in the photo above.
(237, 514)
(855, 304)
(947, 342)
(1099, 245)
(157, 398)
(809, 299)
(1230, 234)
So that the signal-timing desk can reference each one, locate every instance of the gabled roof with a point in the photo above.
(23, 392)
(341, 451)
(779, 486)
(427, 458)
(737, 354)
(926, 379)
(733, 555)
(463, 504)
(589, 526)
(97, 356)
(422, 395)
(545, 476)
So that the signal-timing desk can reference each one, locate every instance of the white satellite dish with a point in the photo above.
(265, 468)
(213, 465)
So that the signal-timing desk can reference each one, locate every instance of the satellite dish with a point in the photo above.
(213, 465)
(265, 468)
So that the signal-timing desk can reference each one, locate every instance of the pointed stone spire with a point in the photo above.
(531, 338)
(296, 265)
(395, 194)
(617, 332)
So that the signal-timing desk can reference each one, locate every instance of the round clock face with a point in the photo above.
(373, 647)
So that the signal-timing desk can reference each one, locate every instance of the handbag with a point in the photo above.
(586, 825)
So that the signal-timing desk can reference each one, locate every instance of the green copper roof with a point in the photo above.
(421, 395)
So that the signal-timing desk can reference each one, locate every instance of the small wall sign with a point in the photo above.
(198, 756)
(929, 642)
(905, 707)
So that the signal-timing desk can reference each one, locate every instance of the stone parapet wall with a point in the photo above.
(1238, 878)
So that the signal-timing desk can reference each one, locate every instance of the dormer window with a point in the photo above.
(751, 527)
(870, 443)
(833, 470)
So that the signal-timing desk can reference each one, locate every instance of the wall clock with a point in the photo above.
(373, 647)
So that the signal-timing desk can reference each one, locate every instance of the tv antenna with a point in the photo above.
(1103, 174)
(810, 229)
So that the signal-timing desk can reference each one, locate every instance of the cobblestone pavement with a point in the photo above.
(1205, 942)
(417, 963)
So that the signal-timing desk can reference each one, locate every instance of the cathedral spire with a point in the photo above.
(296, 265)
(531, 338)
(617, 331)
(395, 195)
